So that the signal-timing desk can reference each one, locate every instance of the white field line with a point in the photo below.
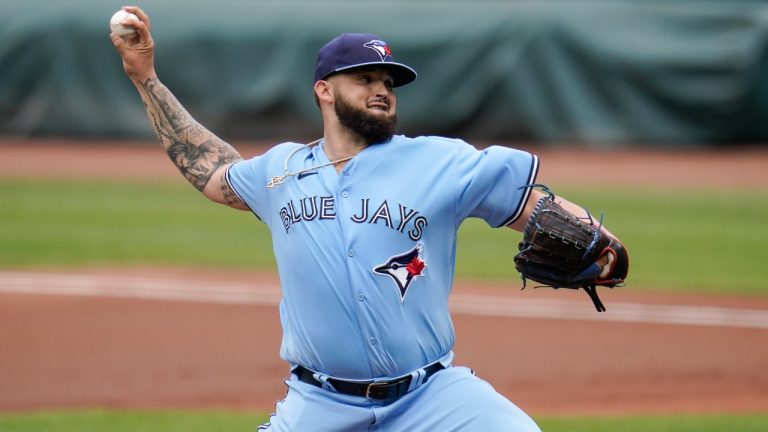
(617, 312)
(461, 303)
(137, 287)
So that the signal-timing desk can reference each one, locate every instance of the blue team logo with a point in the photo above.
(404, 268)
(380, 47)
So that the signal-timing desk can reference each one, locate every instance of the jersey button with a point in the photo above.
(361, 297)
(350, 253)
(345, 194)
(372, 341)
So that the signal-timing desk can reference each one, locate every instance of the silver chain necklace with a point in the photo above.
(278, 180)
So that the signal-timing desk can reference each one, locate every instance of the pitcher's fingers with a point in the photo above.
(118, 42)
(139, 13)
(140, 27)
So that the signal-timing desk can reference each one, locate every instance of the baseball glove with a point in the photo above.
(561, 250)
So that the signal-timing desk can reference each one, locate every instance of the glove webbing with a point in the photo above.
(584, 274)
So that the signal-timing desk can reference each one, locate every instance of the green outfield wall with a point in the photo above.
(616, 73)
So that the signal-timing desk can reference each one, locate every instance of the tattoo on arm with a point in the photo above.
(196, 151)
(230, 197)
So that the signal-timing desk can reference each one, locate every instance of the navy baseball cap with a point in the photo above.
(353, 50)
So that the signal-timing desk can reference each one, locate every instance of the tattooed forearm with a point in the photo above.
(196, 151)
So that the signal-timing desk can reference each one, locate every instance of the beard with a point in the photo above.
(372, 128)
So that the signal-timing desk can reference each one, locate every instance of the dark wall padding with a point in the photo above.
(600, 72)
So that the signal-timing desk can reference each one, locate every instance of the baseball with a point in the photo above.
(117, 18)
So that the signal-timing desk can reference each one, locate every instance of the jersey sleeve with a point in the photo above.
(248, 179)
(491, 184)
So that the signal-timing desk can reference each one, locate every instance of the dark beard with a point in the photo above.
(372, 128)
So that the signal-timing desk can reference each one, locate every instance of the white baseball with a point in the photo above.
(117, 18)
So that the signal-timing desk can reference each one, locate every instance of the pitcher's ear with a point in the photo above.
(323, 92)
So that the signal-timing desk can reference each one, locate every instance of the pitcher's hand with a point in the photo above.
(137, 49)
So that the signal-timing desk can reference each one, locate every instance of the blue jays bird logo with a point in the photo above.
(404, 268)
(380, 47)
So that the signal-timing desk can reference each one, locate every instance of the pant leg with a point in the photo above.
(453, 400)
(309, 408)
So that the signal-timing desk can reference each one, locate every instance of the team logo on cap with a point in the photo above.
(381, 48)
(404, 268)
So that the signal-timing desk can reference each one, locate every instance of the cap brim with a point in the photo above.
(401, 74)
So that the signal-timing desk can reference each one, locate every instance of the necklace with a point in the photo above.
(278, 180)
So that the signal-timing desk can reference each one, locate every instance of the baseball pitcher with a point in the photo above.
(363, 224)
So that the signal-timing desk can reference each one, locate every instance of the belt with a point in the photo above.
(370, 389)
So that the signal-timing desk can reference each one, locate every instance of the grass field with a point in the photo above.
(696, 241)
(224, 421)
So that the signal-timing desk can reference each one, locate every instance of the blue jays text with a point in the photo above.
(322, 208)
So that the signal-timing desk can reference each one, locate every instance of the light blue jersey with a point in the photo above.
(366, 257)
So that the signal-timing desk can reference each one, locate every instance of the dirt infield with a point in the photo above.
(130, 160)
(63, 351)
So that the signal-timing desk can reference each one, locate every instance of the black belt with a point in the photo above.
(372, 389)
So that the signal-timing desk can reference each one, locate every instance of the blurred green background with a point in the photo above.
(595, 72)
